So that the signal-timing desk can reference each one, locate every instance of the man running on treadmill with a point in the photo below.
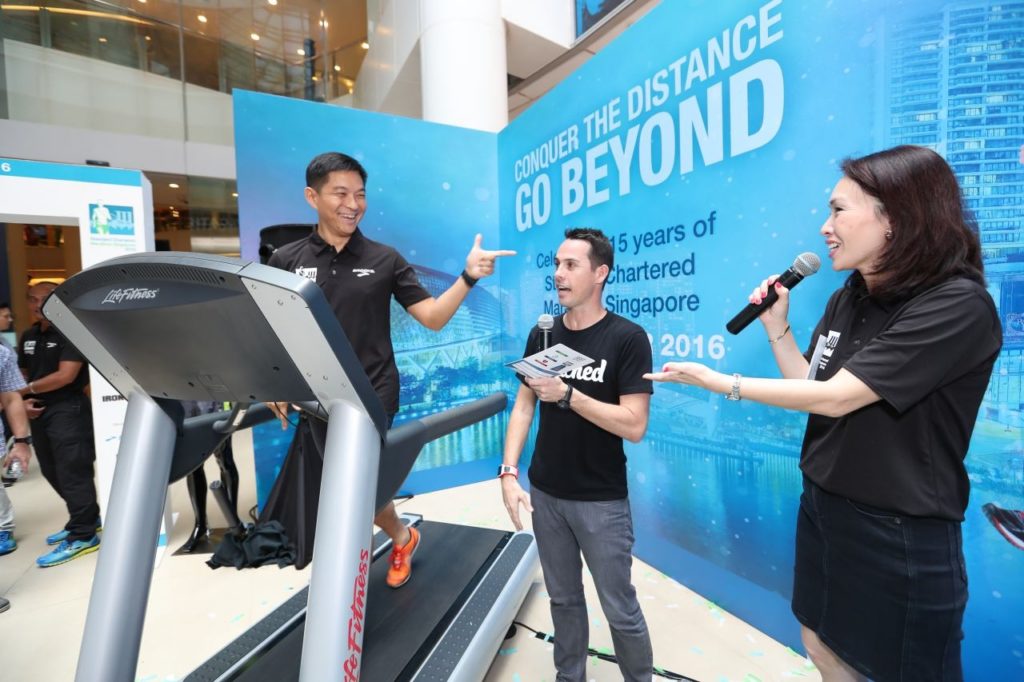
(359, 276)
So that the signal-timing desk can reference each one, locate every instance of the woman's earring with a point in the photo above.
(888, 234)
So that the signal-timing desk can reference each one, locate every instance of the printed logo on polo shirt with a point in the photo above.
(51, 344)
(364, 272)
(588, 373)
(831, 343)
(30, 348)
(308, 273)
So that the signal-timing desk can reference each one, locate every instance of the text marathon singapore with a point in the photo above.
(660, 139)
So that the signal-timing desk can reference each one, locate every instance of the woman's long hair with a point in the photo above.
(934, 236)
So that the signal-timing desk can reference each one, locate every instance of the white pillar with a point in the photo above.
(462, 63)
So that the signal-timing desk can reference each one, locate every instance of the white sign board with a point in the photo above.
(113, 209)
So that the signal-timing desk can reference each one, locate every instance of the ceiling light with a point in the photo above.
(314, 78)
(174, 185)
(272, 2)
(254, 36)
(365, 45)
(300, 52)
(142, 2)
(102, 39)
(201, 18)
(337, 68)
(149, 37)
(234, 194)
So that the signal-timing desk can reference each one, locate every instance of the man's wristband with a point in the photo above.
(508, 470)
(27, 440)
(467, 279)
(31, 389)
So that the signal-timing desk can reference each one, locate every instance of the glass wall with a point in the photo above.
(166, 69)
(194, 213)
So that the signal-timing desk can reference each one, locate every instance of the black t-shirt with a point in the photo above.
(41, 352)
(359, 282)
(574, 458)
(929, 359)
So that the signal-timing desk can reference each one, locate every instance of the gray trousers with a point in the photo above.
(603, 533)
(6, 511)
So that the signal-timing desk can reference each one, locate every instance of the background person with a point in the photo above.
(60, 418)
(6, 324)
(10, 400)
(6, 339)
(906, 351)
(580, 502)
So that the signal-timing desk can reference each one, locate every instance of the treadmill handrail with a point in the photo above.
(405, 442)
(449, 421)
(200, 435)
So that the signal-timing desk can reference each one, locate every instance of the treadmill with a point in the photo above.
(167, 327)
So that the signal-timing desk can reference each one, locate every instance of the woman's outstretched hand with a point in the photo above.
(691, 373)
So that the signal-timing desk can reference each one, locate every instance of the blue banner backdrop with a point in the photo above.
(431, 189)
(705, 141)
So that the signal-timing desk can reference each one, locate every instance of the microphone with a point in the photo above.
(804, 265)
(545, 322)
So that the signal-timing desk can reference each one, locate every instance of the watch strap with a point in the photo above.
(734, 392)
(566, 400)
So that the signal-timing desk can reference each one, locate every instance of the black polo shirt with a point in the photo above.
(359, 282)
(929, 358)
(41, 352)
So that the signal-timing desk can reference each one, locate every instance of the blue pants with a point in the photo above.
(603, 533)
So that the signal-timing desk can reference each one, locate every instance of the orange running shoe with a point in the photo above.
(401, 560)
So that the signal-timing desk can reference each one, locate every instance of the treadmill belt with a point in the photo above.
(399, 622)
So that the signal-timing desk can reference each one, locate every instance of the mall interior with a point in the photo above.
(147, 84)
(151, 85)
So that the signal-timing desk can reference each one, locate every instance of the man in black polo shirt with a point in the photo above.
(359, 276)
(60, 418)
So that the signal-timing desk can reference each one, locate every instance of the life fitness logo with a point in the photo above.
(357, 614)
(122, 295)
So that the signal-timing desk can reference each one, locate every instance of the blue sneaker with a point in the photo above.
(7, 543)
(62, 535)
(66, 551)
(58, 537)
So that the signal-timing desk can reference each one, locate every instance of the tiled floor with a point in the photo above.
(193, 611)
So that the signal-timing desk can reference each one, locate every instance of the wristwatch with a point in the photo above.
(27, 440)
(507, 470)
(563, 402)
(734, 393)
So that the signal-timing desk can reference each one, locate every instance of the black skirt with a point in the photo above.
(885, 592)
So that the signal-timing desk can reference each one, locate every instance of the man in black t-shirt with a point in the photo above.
(578, 473)
(359, 276)
(60, 417)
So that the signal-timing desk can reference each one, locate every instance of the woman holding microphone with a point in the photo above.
(893, 377)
